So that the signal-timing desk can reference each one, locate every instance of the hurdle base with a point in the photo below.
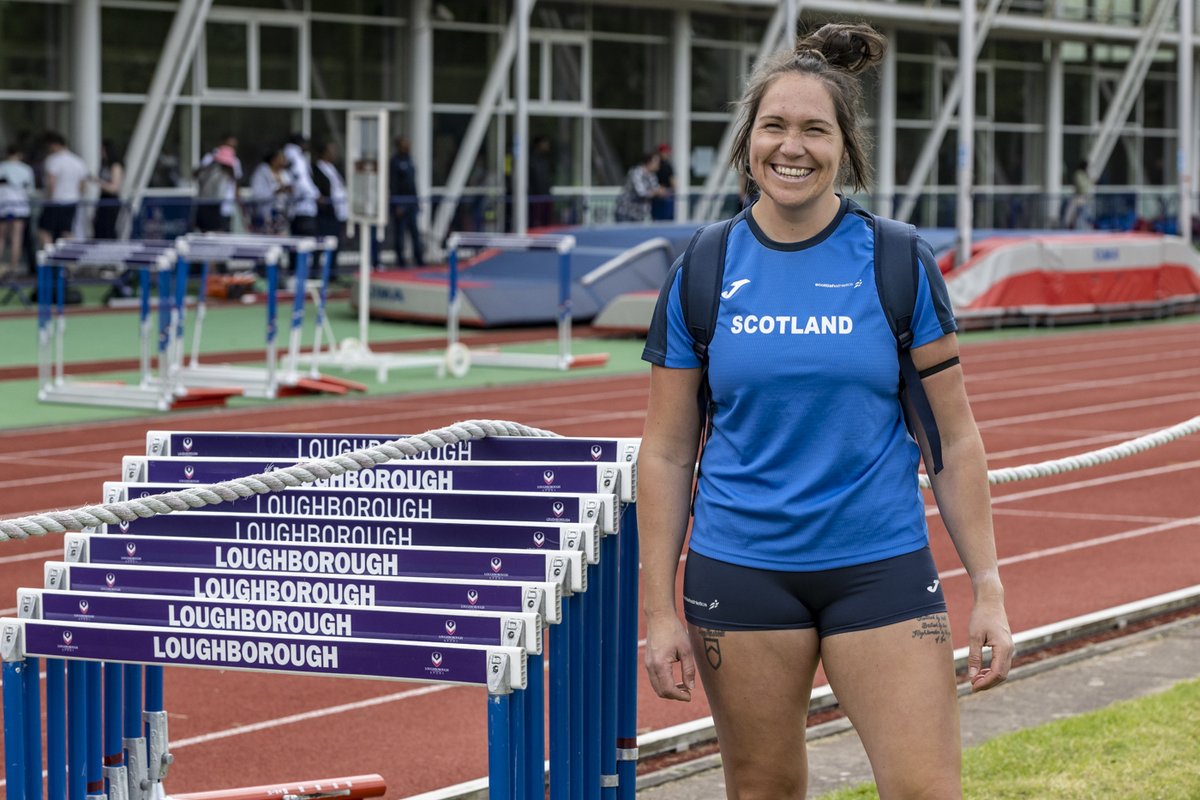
(495, 358)
(354, 787)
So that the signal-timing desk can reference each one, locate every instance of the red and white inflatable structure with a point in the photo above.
(1077, 276)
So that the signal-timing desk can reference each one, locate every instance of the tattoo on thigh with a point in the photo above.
(932, 625)
(712, 646)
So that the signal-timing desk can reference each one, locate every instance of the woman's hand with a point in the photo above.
(667, 644)
(989, 628)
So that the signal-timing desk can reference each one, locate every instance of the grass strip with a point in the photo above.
(1136, 749)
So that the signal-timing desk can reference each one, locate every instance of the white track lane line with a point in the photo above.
(1085, 544)
(1052, 369)
(1079, 516)
(1009, 349)
(1080, 386)
(1079, 411)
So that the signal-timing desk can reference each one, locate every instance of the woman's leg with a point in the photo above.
(17, 240)
(897, 685)
(758, 685)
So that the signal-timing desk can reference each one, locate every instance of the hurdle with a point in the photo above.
(153, 391)
(459, 357)
(587, 756)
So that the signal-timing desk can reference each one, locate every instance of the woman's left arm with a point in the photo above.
(961, 491)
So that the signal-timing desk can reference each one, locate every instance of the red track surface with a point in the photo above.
(1072, 544)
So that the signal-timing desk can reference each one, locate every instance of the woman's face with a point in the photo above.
(796, 146)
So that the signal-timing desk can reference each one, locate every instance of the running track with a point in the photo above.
(1079, 542)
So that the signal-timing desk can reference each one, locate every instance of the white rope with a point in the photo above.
(297, 475)
(1103, 456)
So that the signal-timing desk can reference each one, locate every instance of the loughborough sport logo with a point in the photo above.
(435, 658)
(451, 627)
(558, 508)
(472, 596)
(83, 606)
(131, 549)
(110, 580)
(539, 538)
(548, 477)
(189, 472)
(187, 444)
(497, 564)
(597, 451)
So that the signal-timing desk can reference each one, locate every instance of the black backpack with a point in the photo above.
(897, 273)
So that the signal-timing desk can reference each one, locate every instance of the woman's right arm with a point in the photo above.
(666, 466)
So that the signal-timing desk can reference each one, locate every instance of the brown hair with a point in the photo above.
(834, 54)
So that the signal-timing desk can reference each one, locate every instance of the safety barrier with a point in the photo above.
(432, 594)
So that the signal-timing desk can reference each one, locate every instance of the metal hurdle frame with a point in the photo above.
(152, 392)
(459, 358)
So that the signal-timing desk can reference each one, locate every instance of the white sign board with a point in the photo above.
(366, 166)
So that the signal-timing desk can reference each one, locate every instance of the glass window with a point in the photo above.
(366, 8)
(536, 49)
(912, 90)
(278, 58)
(1016, 159)
(225, 54)
(32, 56)
(469, 11)
(631, 19)
(24, 121)
(355, 62)
(282, 5)
(117, 121)
(257, 130)
(448, 132)
(130, 47)
(619, 144)
(716, 77)
(1077, 95)
(329, 125)
(566, 72)
(463, 60)
(1158, 104)
(639, 83)
(1159, 161)
(559, 16)
(1018, 96)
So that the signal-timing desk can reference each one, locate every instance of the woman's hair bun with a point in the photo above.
(853, 48)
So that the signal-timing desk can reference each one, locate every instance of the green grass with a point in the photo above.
(1146, 749)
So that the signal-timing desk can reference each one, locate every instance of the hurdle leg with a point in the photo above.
(321, 323)
(591, 713)
(114, 759)
(627, 655)
(135, 741)
(272, 349)
(144, 324)
(77, 730)
(56, 729)
(60, 302)
(535, 725)
(300, 276)
(201, 309)
(33, 729)
(560, 707)
(15, 768)
(500, 749)
(95, 729)
(608, 672)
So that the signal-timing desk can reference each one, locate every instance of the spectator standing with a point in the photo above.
(228, 201)
(541, 180)
(1078, 214)
(663, 207)
(270, 193)
(215, 181)
(641, 187)
(109, 178)
(303, 209)
(16, 182)
(406, 207)
(64, 175)
(333, 206)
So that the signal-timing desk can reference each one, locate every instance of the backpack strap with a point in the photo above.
(897, 276)
(703, 272)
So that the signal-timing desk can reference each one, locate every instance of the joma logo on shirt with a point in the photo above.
(783, 325)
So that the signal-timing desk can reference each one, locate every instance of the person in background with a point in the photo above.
(64, 175)
(641, 187)
(303, 208)
(406, 207)
(333, 205)
(270, 190)
(16, 183)
(809, 544)
(108, 179)
(541, 181)
(1078, 213)
(663, 207)
(228, 203)
(215, 182)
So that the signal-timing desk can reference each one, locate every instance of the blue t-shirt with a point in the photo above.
(809, 465)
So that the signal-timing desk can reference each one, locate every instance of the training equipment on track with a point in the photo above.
(413, 608)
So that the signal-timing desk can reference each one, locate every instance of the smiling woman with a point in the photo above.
(809, 543)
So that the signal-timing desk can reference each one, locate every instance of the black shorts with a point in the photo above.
(57, 219)
(722, 596)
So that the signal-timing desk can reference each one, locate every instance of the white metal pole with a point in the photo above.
(1187, 88)
(885, 132)
(420, 115)
(966, 128)
(85, 133)
(681, 113)
(520, 145)
(1054, 135)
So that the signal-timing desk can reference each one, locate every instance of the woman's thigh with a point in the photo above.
(896, 684)
(758, 685)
